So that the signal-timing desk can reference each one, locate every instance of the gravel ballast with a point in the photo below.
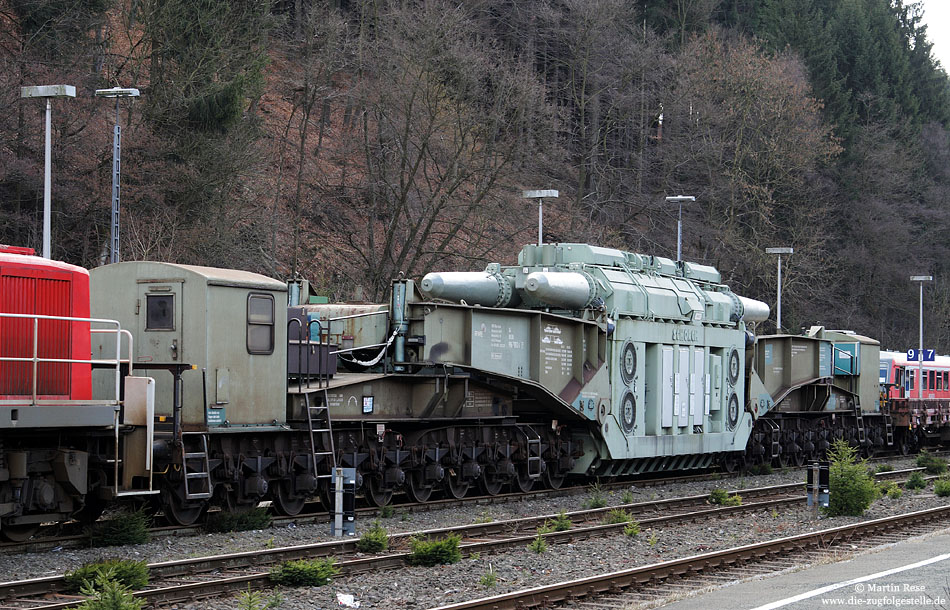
(419, 587)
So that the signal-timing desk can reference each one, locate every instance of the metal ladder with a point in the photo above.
(318, 422)
(888, 430)
(862, 432)
(533, 449)
(201, 472)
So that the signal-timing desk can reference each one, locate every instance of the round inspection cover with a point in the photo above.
(732, 414)
(628, 412)
(734, 369)
(628, 363)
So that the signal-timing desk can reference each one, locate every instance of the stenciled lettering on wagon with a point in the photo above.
(685, 335)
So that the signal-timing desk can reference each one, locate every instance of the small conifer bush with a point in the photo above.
(374, 540)
(617, 515)
(304, 572)
(722, 498)
(435, 552)
(108, 594)
(561, 523)
(851, 488)
(127, 572)
(931, 463)
(942, 487)
(225, 521)
(915, 481)
(631, 529)
(538, 545)
(126, 527)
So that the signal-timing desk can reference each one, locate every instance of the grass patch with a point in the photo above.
(435, 552)
(127, 572)
(223, 521)
(304, 572)
(884, 468)
(374, 540)
(126, 527)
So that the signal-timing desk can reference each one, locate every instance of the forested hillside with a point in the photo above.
(350, 141)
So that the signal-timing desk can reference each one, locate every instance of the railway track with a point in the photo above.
(644, 584)
(70, 535)
(211, 576)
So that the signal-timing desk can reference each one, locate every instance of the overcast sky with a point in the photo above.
(937, 16)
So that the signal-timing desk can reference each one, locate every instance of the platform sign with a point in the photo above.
(913, 355)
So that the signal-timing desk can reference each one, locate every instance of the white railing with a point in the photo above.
(112, 327)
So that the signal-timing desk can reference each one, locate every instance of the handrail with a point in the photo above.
(35, 359)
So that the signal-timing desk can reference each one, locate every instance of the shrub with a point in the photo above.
(884, 468)
(374, 540)
(259, 600)
(931, 463)
(561, 523)
(489, 579)
(597, 499)
(942, 487)
(721, 497)
(915, 481)
(884, 487)
(224, 521)
(851, 488)
(385, 512)
(304, 572)
(109, 595)
(127, 572)
(538, 545)
(617, 515)
(895, 493)
(631, 529)
(626, 497)
(435, 552)
(763, 468)
(126, 527)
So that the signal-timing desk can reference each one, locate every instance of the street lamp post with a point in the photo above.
(679, 222)
(540, 195)
(48, 92)
(778, 289)
(920, 354)
(116, 92)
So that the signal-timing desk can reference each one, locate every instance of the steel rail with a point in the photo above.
(615, 581)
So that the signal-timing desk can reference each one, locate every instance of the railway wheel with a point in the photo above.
(287, 503)
(490, 485)
(375, 493)
(457, 487)
(416, 488)
(553, 478)
(18, 533)
(522, 482)
(181, 512)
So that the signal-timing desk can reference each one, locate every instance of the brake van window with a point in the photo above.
(260, 324)
(160, 312)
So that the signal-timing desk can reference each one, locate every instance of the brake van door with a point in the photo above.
(159, 309)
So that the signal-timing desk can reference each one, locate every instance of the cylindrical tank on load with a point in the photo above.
(752, 310)
(473, 287)
(567, 289)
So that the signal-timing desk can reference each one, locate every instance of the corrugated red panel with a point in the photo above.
(33, 285)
